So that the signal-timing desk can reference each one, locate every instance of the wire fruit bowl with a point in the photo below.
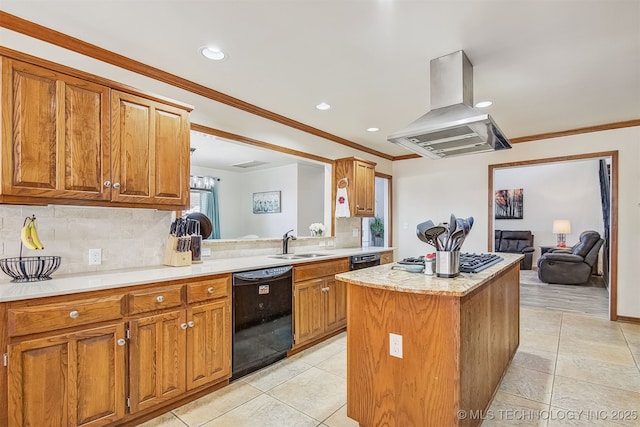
(30, 268)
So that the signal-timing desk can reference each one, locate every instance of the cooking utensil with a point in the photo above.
(421, 228)
(431, 234)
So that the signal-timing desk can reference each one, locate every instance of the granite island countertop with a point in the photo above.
(386, 277)
(86, 282)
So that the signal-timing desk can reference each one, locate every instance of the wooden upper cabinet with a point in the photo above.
(150, 151)
(73, 140)
(360, 184)
(55, 134)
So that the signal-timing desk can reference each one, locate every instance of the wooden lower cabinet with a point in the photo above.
(75, 379)
(320, 308)
(157, 359)
(208, 343)
(145, 347)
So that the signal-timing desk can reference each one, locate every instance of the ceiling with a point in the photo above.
(547, 65)
(222, 154)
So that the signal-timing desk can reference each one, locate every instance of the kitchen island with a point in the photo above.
(458, 338)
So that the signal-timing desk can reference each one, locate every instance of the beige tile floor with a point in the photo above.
(570, 370)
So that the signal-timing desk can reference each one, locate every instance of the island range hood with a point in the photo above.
(453, 127)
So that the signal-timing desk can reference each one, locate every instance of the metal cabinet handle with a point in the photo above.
(121, 342)
(116, 185)
(107, 184)
(183, 326)
(210, 290)
(160, 298)
(74, 314)
(191, 324)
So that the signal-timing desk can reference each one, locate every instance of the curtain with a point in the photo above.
(210, 207)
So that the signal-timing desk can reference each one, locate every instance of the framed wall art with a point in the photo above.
(509, 204)
(266, 202)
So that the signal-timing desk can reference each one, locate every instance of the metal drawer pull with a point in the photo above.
(210, 290)
(160, 298)
(74, 314)
(191, 324)
(121, 342)
(183, 326)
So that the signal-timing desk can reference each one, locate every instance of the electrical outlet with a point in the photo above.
(331, 243)
(206, 251)
(356, 232)
(395, 345)
(322, 243)
(95, 256)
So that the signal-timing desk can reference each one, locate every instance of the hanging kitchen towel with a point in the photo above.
(342, 203)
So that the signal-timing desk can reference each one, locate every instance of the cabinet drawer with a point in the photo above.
(155, 299)
(48, 317)
(320, 269)
(208, 289)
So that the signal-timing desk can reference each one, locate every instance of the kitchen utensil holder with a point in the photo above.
(174, 258)
(447, 263)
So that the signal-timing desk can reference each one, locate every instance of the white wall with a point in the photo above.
(433, 189)
(567, 190)
(310, 197)
(283, 179)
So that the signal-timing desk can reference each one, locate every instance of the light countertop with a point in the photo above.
(76, 283)
(386, 277)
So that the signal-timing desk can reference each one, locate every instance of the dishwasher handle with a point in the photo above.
(264, 275)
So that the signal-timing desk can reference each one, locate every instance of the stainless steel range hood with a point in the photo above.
(453, 127)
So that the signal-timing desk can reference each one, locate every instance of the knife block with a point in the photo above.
(174, 258)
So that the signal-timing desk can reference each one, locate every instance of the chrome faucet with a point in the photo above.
(285, 241)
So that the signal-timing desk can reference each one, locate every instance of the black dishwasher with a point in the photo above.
(262, 323)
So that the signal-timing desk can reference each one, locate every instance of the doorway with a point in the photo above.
(376, 231)
(612, 157)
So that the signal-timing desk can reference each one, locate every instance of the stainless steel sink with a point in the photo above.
(313, 255)
(297, 256)
(286, 256)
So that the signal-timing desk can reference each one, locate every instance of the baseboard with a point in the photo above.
(629, 319)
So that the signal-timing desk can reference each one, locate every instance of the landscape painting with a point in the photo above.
(509, 204)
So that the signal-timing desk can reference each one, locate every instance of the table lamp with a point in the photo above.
(561, 227)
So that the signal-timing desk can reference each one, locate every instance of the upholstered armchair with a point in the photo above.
(517, 242)
(571, 267)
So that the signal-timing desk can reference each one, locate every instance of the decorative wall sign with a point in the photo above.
(509, 204)
(266, 202)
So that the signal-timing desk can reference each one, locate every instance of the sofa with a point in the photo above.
(516, 242)
(571, 266)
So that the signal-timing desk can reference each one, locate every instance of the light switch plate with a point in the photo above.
(206, 251)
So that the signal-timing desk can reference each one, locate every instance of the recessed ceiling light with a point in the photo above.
(323, 106)
(483, 104)
(212, 53)
(373, 129)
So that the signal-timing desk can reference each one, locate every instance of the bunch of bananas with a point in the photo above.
(29, 234)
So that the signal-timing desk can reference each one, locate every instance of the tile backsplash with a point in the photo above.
(127, 237)
(131, 237)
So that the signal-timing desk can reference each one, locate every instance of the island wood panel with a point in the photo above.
(490, 324)
(421, 389)
(455, 352)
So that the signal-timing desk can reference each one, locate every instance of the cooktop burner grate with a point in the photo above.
(469, 263)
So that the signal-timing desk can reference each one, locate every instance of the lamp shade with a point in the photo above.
(561, 226)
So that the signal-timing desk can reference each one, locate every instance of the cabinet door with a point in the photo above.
(55, 134)
(150, 151)
(335, 297)
(157, 359)
(309, 310)
(68, 380)
(208, 343)
(364, 189)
